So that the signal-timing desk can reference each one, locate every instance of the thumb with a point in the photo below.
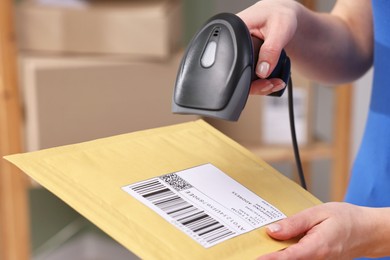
(268, 58)
(295, 225)
(261, 26)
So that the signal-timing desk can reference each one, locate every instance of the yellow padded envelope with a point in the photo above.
(89, 177)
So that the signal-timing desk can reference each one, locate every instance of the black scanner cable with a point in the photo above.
(293, 134)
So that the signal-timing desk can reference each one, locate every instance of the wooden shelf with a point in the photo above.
(14, 217)
(318, 150)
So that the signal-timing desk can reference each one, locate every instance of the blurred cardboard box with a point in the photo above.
(135, 28)
(276, 121)
(69, 100)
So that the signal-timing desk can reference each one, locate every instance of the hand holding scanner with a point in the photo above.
(218, 67)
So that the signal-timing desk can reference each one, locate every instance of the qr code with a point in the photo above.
(176, 181)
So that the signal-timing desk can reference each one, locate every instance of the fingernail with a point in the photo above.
(279, 87)
(262, 69)
(267, 88)
(275, 227)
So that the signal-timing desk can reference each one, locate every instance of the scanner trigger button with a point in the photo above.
(208, 57)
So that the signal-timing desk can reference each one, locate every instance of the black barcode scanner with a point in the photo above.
(218, 67)
(216, 72)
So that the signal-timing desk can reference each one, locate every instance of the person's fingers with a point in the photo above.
(270, 50)
(266, 86)
(302, 250)
(268, 58)
(280, 255)
(325, 230)
(295, 225)
(275, 25)
(275, 40)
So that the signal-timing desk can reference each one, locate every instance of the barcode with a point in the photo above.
(198, 221)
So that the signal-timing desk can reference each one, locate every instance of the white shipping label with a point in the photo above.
(205, 203)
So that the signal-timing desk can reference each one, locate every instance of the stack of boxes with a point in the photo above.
(133, 28)
(91, 69)
(95, 68)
